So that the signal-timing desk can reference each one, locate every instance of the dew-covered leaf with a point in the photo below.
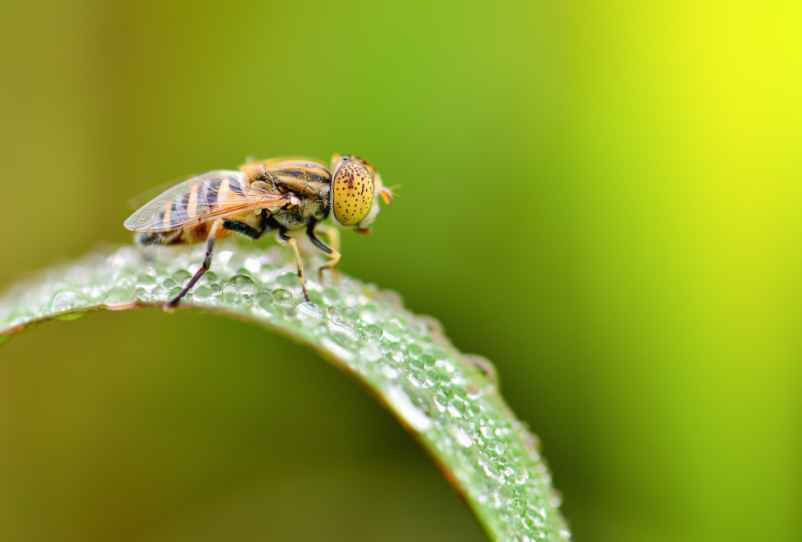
(444, 398)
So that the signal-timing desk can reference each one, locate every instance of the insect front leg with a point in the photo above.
(282, 234)
(207, 262)
(332, 250)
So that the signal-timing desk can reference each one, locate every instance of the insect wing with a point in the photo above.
(201, 199)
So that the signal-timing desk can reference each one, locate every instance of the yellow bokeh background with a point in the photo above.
(601, 197)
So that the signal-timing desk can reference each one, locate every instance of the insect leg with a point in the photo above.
(282, 233)
(207, 262)
(244, 229)
(310, 233)
(333, 236)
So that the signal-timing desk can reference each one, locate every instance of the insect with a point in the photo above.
(287, 196)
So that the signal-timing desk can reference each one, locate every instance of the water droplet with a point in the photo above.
(402, 404)
(373, 331)
(389, 372)
(283, 298)
(265, 300)
(244, 284)
(66, 300)
(231, 296)
(369, 315)
(210, 277)
(169, 283)
(202, 293)
(463, 439)
(331, 295)
(343, 330)
(119, 297)
(288, 280)
(457, 405)
(370, 353)
(181, 276)
(393, 330)
(309, 313)
(484, 365)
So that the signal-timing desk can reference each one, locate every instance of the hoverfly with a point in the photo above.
(287, 196)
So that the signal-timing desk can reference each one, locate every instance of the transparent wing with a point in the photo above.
(200, 199)
(139, 200)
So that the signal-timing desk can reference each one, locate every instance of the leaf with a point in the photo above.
(440, 395)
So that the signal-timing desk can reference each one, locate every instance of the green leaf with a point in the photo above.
(444, 398)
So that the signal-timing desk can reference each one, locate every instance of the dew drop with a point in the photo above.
(231, 296)
(181, 276)
(309, 313)
(66, 300)
(342, 329)
(283, 298)
(288, 280)
(373, 331)
(456, 407)
(370, 353)
(484, 365)
(402, 404)
(202, 293)
(388, 371)
(119, 297)
(331, 295)
(244, 284)
(463, 439)
(369, 315)
(265, 300)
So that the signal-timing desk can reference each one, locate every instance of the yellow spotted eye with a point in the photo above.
(351, 192)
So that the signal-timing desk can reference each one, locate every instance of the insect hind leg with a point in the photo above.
(207, 263)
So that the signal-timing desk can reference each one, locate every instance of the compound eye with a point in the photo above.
(352, 192)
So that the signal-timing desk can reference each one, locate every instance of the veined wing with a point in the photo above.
(201, 199)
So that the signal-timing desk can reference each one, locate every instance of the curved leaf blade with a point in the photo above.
(406, 360)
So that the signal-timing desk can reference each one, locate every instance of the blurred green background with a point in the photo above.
(601, 197)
